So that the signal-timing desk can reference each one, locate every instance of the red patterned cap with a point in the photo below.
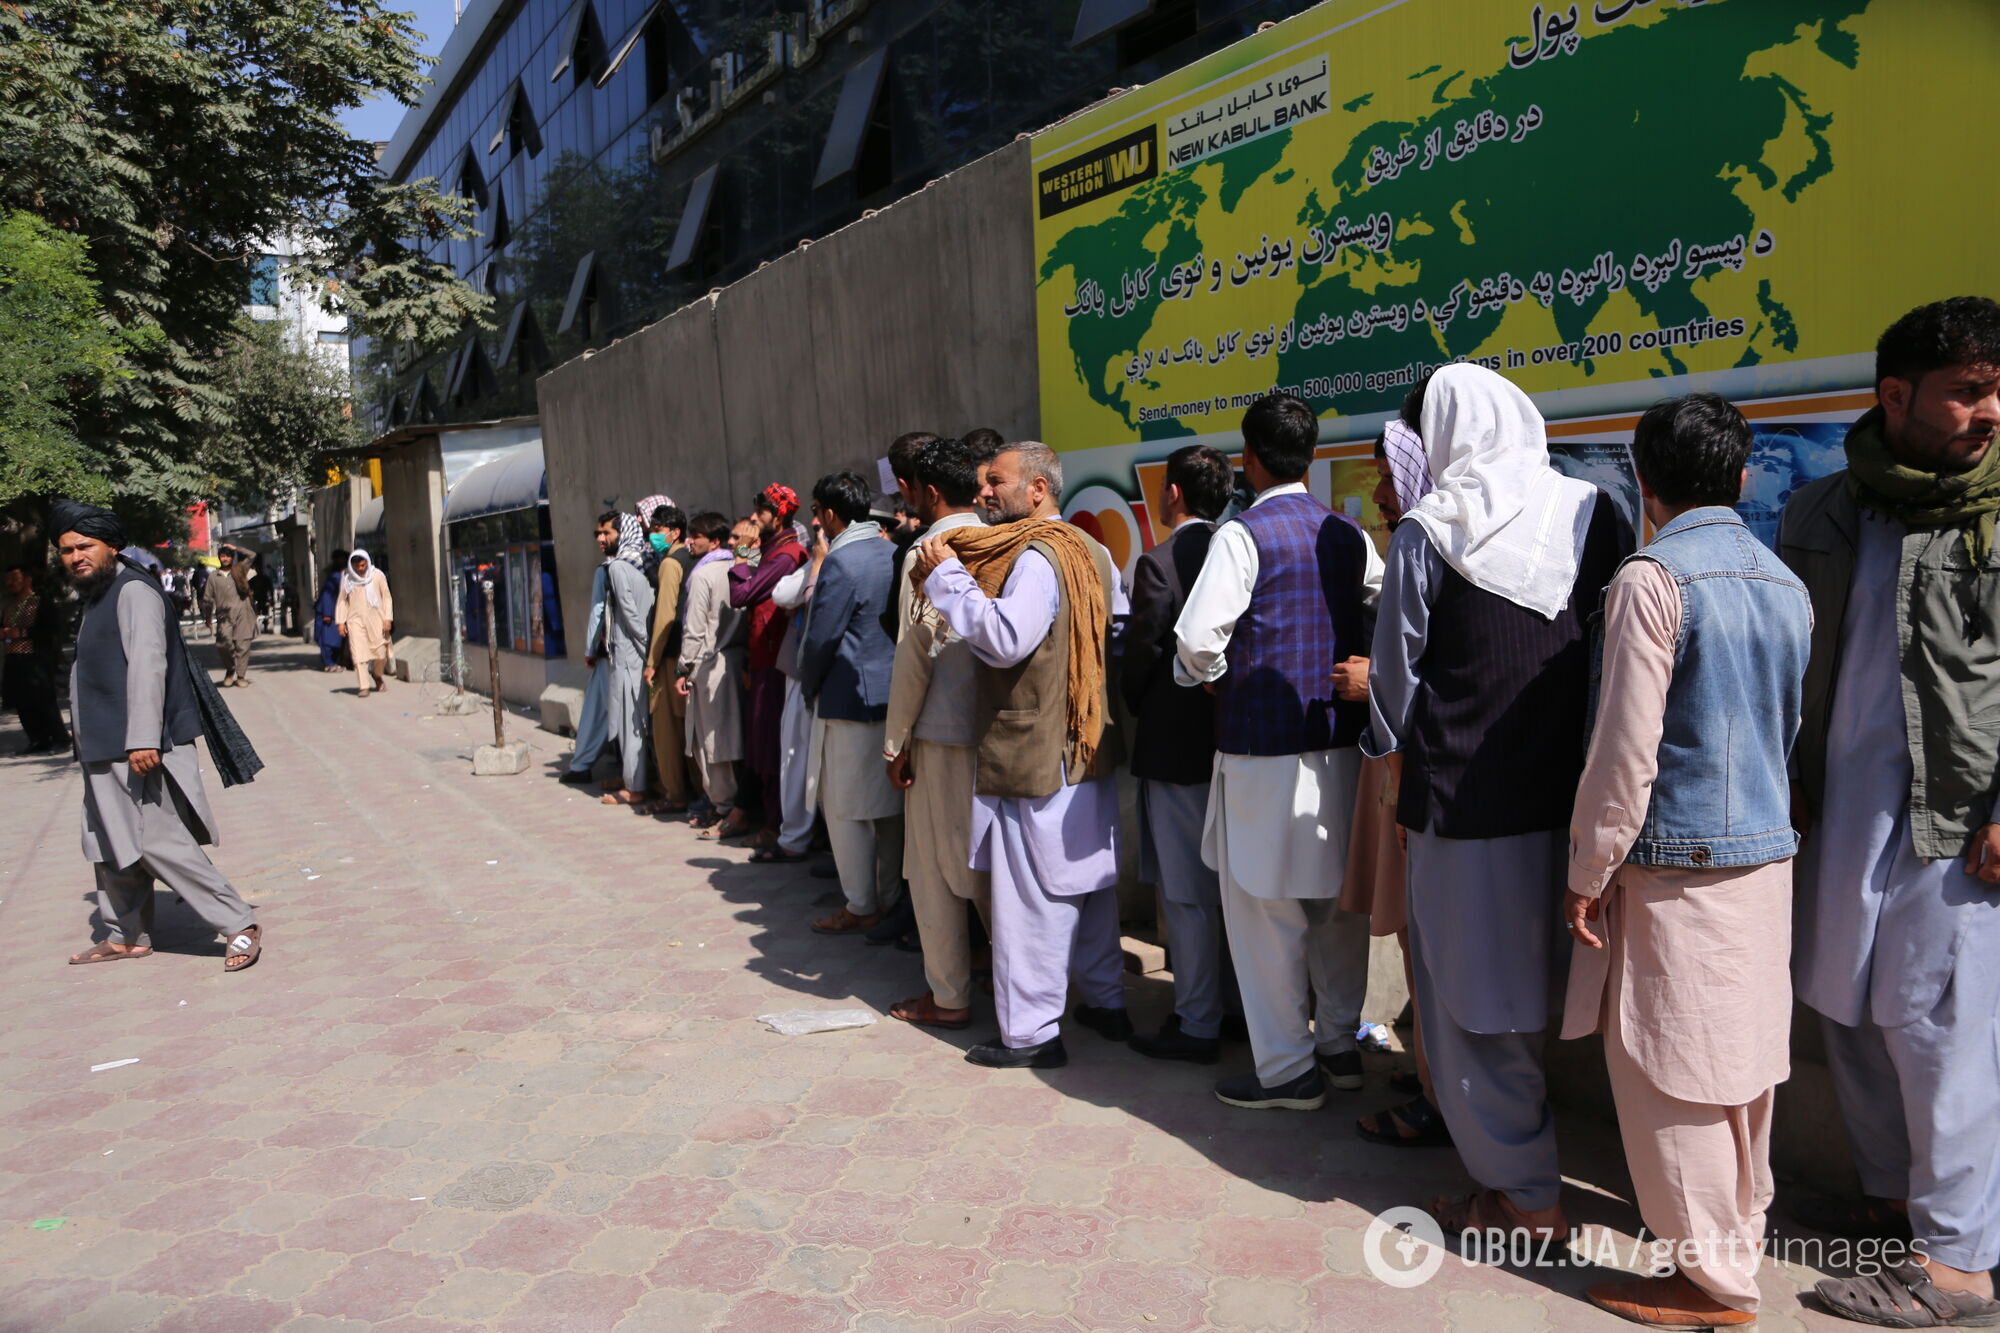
(784, 501)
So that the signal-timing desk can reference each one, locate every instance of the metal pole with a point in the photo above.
(493, 658)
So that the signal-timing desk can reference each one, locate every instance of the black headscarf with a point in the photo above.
(75, 516)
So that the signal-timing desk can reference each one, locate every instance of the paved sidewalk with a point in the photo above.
(499, 1069)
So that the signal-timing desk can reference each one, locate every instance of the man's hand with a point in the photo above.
(589, 662)
(1350, 679)
(650, 673)
(342, 628)
(143, 761)
(900, 776)
(1578, 912)
(1982, 858)
(818, 548)
(931, 552)
(388, 627)
(683, 686)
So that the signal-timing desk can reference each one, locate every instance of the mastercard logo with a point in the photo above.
(1105, 515)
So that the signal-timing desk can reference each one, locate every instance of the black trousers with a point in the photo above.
(30, 688)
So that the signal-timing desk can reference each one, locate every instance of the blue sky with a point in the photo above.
(377, 120)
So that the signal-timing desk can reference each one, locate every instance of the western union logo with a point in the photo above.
(1107, 169)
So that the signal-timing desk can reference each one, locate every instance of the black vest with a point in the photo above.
(98, 710)
(1498, 741)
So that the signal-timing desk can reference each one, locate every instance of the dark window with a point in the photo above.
(581, 50)
(471, 181)
(498, 231)
(674, 61)
(523, 346)
(580, 309)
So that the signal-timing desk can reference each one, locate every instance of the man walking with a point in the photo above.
(1034, 598)
(1278, 604)
(1899, 878)
(750, 588)
(28, 662)
(1680, 876)
(928, 743)
(145, 815)
(844, 664)
(1480, 677)
(232, 615)
(664, 704)
(616, 647)
(1173, 754)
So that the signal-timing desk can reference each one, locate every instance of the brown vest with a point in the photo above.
(1021, 712)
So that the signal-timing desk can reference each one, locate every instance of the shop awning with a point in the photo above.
(512, 479)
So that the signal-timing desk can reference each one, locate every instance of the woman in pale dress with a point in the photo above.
(365, 617)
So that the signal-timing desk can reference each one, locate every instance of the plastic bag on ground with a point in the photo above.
(799, 1022)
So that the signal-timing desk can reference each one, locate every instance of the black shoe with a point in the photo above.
(994, 1055)
(1342, 1069)
(900, 921)
(1110, 1024)
(1307, 1092)
(1234, 1028)
(1173, 1044)
(575, 777)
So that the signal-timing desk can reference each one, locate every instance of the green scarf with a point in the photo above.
(1923, 499)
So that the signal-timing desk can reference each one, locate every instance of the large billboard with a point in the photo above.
(1606, 201)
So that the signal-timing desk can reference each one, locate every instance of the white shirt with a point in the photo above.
(1221, 594)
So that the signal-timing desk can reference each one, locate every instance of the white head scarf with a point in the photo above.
(370, 583)
(1500, 515)
(631, 543)
(1408, 467)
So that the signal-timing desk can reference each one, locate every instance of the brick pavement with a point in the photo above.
(499, 1070)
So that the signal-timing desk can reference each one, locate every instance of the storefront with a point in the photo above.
(497, 529)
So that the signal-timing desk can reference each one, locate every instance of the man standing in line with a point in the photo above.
(1480, 677)
(664, 704)
(145, 815)
(231, 615)
(1279, 603)
(1173, 754)
(28, 632)
(709, 675)
(928, 743)
(1680, 875)
(1034, 597)
(903, 451)
(792, 594)
(616, 645)
(844, 663)
(750, 588)
(1899, 879)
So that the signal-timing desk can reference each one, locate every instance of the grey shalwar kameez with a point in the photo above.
(140, 829)
(1900, 956)
(1483, 927)
(618, 642)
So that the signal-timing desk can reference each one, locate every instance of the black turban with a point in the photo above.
(73, 516)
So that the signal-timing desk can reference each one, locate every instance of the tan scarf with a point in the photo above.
(988, 554)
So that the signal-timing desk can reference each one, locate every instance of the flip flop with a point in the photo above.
(102, 952)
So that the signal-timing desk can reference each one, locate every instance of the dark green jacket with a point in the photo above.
(1951, 682)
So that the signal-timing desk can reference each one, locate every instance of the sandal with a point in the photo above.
(1903, 1296)
(1486, 1211)
(618, 798)
(771, 853)
(922, 1011)
(844, 922)
(247, 944)
(106, 952)
(1417, 1114)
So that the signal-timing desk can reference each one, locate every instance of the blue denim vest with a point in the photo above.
(1722, 797)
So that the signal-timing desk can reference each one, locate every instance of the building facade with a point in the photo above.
(625, 156)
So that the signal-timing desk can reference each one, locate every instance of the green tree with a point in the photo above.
(182, 137)
(55, 347)
(290, 410)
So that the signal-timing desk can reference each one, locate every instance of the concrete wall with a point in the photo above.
(412, 515)
(920, 317)
(333, 510)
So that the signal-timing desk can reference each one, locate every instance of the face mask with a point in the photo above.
(659, 541)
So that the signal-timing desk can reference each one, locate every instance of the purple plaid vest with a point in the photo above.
(1305, 615)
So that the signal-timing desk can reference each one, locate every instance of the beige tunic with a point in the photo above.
(713, 657)
(1696, 962)
(235, 614)
(367, 624)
